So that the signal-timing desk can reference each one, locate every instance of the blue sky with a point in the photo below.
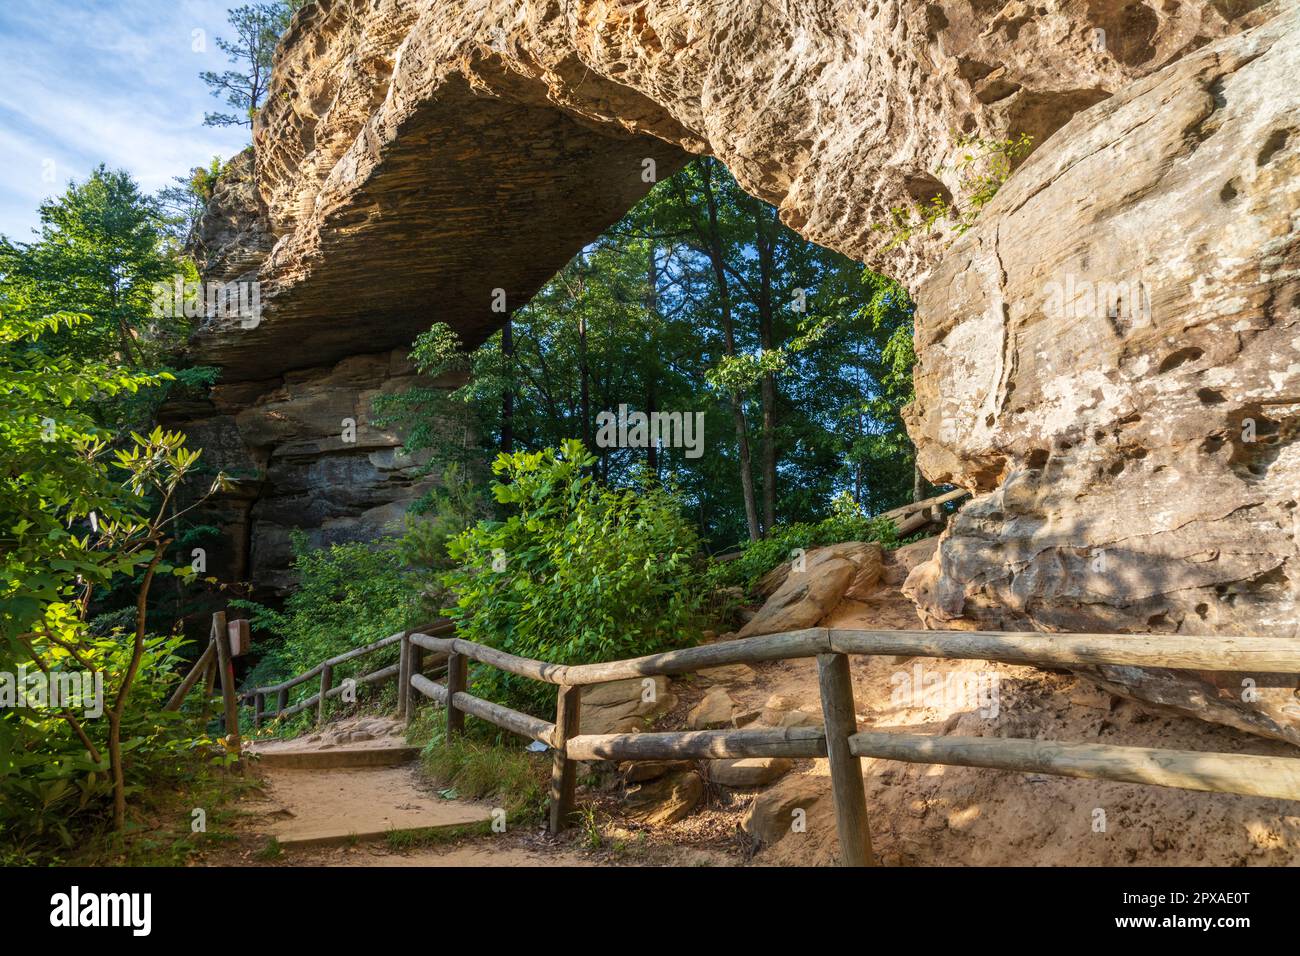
(84, 82)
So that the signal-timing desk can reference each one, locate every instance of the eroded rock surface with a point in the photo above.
(297, 463)
(1110, 360)
(414, 157)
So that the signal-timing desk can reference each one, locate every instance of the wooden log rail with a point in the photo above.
(324, 672)
(840, 742)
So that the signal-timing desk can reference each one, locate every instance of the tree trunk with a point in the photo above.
(766, 246)
(508, 393)
(652, 306)
(714, 246)
(124, 692)
(584, 372)
(746, 474)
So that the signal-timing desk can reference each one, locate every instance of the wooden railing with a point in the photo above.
(840, 740)
(328, 689)
(216, 664)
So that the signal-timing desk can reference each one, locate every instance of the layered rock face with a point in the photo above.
(302, 455)
(1111, 359)
(418, 162)
(413, 159)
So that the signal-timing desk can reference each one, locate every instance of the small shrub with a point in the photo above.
(484, 768)
(576, 573)
(760, 557)
(348, 595)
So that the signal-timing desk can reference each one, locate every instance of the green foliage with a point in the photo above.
(759, 557)
(251, 50)
(50, 790)
(99, 254)
(69, 524)
(577, 572)
(53, 457)
(982, 168)
(183, 203)
(472, 768)
(348, 595)
(637, 318)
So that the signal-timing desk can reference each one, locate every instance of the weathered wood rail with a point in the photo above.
(840, 741)
(423, 650)
(216, 663)
(257, 697)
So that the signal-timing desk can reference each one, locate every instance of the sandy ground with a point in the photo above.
(921, 815)
(313, 806)
(931, 816)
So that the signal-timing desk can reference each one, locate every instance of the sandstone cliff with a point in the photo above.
(413, 158)
(1111, 357)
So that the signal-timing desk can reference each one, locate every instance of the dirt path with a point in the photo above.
(920, 814)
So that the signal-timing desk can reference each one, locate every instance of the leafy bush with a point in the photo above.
(74, 525)
(52, 792)
(759, 557)
(576, 573)
(348, 595)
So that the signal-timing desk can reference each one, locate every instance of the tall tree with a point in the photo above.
(100, 253)
(183, 203)
(257, 28)
(687, 305)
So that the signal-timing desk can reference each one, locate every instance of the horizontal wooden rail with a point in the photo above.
(1186, 769)
(914, 506)
(522, 666)
(699, 744)
(523, 724)
(1256, 655)
(307, 703)
(279, 691)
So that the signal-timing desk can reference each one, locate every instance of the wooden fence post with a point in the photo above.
(414, 665)
(850, 794)
(226, 666)
(564, 772)
(403, 676)
(259, 705)
(457, 675)
(326, 681)
(281, 701)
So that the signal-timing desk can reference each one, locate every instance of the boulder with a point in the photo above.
(748, 771)
(728, 673)
(714, 711)
(782, 710)
(624, 706)
(775, 813)
(805, 596)
(665, 799)
(639, 771)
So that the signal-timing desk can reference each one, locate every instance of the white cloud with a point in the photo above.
(82, 82)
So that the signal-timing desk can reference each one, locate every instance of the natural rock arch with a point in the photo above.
(412, 158)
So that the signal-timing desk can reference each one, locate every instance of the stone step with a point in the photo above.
(283, 754)
(341, 806)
